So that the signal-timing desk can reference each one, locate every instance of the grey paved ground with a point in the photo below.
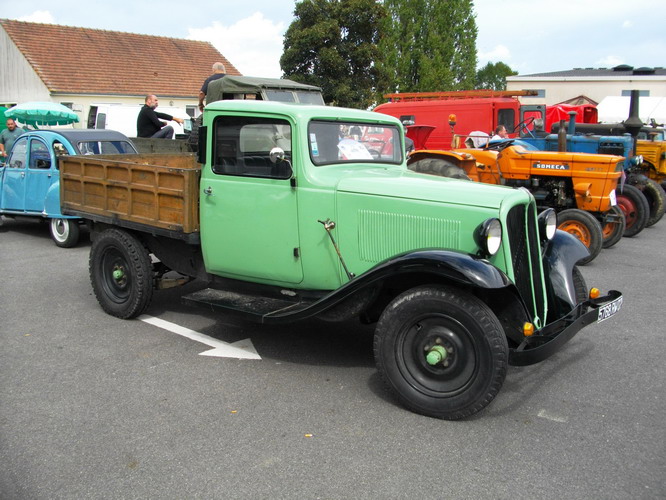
(95, 407)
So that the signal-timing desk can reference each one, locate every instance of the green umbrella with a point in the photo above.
(42, 113)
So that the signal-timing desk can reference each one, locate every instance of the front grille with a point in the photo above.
(526, 257)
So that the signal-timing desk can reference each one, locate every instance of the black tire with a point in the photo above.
(440, 167)
(121, 273)
(612, 226)
(656, 198)
(585, 227)
(472, 373)
(64, 232)
(635, 208)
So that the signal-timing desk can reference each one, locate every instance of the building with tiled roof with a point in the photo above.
(83, 67)
(594, 83)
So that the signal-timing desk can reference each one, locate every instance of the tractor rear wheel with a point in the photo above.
(440, 167)
(583, 226)
(635, 207)
(656, 198)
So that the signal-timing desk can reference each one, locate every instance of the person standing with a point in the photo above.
(219, 71)
(9, 136)
(148, 123)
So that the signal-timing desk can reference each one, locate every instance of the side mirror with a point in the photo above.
(283, 168)
(277, 155)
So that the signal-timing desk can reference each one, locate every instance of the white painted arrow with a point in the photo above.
(242, 349)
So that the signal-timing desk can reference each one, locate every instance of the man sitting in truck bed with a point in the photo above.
(148, 122)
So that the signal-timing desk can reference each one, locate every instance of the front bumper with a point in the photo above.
(553, 336)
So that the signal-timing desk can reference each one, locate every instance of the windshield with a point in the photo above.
(350, 142)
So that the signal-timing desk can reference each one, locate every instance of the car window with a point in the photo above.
(40, 156)
(19, 153)
(243, 145)
(105, 147)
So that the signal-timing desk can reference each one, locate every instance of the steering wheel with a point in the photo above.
(499, 145)
(523, 126)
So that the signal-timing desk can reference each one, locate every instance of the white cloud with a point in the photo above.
(609, 61)
(39, 16)
(627, 25)
(253, 45)
(496, 54)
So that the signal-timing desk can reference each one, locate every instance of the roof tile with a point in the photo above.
(87, 61)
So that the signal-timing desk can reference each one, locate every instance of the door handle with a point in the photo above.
(208, 191)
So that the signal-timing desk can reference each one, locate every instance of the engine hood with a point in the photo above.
(398, 183)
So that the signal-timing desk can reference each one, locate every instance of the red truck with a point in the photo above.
(475, 110)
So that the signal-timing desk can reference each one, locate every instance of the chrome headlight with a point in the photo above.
(489, 236)
(547, 224)
(637, 160)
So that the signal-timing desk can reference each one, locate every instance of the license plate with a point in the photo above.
(609, 309)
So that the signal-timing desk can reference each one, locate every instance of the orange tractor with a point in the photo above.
(579, 186)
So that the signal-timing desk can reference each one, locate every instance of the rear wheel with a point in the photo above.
(121, 273)
(583, 226)
(64, 232)
(442, 351)
(635, 208)
(612, 227)
(440, 167)
(656, 198)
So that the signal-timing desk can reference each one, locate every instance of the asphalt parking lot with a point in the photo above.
(96, 407)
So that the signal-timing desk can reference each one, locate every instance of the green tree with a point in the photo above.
(428, 45)
(493, 76)
(333, 44)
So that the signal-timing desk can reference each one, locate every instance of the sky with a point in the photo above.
(531, 36)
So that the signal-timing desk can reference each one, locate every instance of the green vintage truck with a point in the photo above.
(288, 213)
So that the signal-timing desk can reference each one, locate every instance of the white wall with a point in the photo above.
(596, 88)
(19, 82)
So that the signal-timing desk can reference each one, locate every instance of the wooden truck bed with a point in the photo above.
(146, 191)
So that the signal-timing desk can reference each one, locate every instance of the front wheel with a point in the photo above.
(442, 351)
(121, 273)
(583, 226)
(635, 207)
(612, 226)
(64, 232)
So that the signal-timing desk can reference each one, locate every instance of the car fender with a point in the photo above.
(444, 266)
(560, 257)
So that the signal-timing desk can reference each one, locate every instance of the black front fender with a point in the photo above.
(446, 265)
(560, 257)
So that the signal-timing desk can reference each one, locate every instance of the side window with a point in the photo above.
(40, 156)
(507, 117)
(19, 153)
(242, 147)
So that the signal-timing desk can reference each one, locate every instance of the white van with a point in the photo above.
(122, 118)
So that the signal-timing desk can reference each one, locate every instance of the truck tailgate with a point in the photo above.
(158, 190)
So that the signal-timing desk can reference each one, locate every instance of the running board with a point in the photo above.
(255, 306)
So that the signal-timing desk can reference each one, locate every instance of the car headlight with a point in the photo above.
(489, 236)
(547, 224)
(637, 160)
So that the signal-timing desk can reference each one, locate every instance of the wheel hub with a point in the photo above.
(439, 354)
(119, 275)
